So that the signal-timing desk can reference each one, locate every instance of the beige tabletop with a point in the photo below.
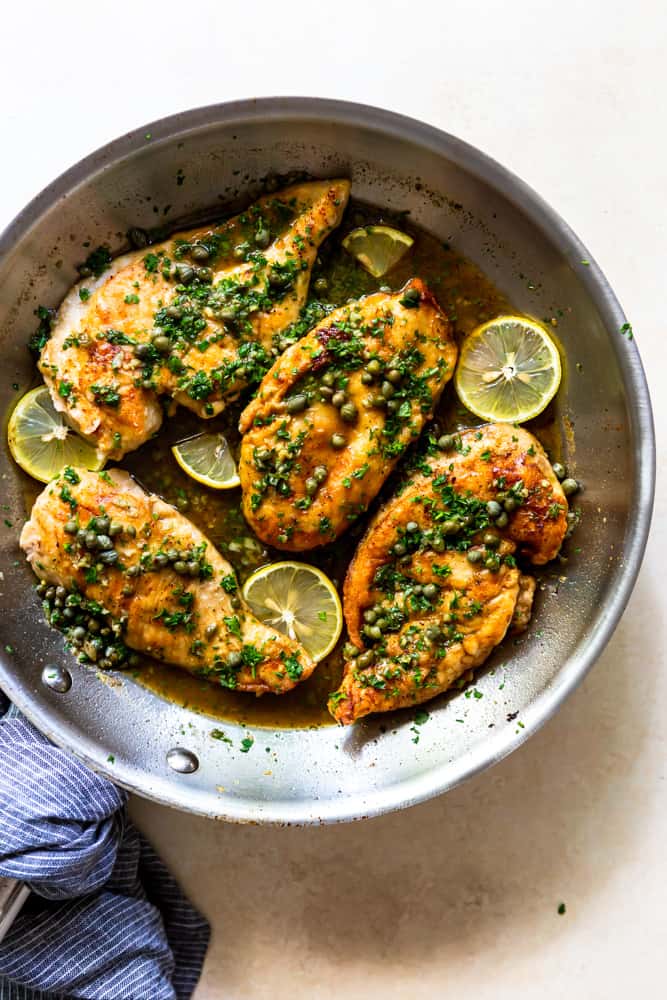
(460, 896)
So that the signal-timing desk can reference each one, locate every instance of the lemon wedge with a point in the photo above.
(207, 458)
(508, 369)
(377, 248)
(42, 443)
(299, 601)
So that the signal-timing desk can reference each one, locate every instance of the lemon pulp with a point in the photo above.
(207, 458)
(377, 248)
(299, 601)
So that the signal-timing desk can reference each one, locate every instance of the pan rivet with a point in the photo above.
(56, 678)
(181, 760)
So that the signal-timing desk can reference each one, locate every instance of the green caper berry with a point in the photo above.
(431, 591)
(438, 543)
(105, 663)
(199, 252)
(510, 504)
(450, 527)
(412, 526)
(474, 555)
(239, 252)
(133, 571)
(204, 274)
(326, 392)
(93, 625)
(109, 557)
(311, 485)
(320, 284)
(131, 531)
(394, 376)
(104, 542)
(297, 403)
(417, 588)
(490, 540)
(411, 297)
(184, 273)
(492, 562)
(350, 651)
(127, 591)
(79, 632)
(174, 312)
(320, 473)
(283, 538)
(91, 540)
(366, 378)
(338, 398)
(399, 549)
(81, 536)
(366, 659)
(446, 442)
(194, 568)
(378, 401)
(137, 237)
(502, 520)
(162, 344)
(160, 560)
(374, 367)
(493, 508)
(50, 593)
(71, 527)
(115, 529)
(370, 616)
(393, 405)
(173, 555)
(432, 632)
(262, 237)
(329, 379)
(101, 524)
(569, 487)
(382, 624)
(182, 503)
(180, 567)
(349, 413)
(373, 632)
(559, 470)
(211, 630)
(387, 390)
(41, 588)
(338, 441)
(146, 383)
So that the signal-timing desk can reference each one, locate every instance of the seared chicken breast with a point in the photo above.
(434, 584)
(196, 318)
(169, 593)
(337, 410)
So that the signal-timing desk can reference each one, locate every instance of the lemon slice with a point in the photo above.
(208, 459)
(508, 369)
(42, 443)
(377, 248)
(299, 601)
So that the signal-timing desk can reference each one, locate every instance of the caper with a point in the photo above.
(173, 555)
(91, 540)
(382, 624)
(492, 562)
(182, 503)
(366, 659)
(374, 367)
(366, 378)
(392, 405)
(283, 538)
(262, 237)
(138, 237)
(115, 529)
(570, 486)
(71, 527)
(93, 625)
(438, 543)
(490, 540)
(329, 379)
(81, 536)
(105, 664)
(510, 504)
(394, 376)
(174, 312)
(205, 274)
(133, 571)
(399, 549)
(350, 651)
(370, 616)
(41, 588)
(378, 401)
(411, 298)
(184, 273)
(234, 659)
(109, 557)
(432, 632)
(194, 568)
(450, 527)
(146, 383)
(228, 314)
(127, 591)
(320, 284)
(493, 508)
(387, 390)
(297, 403)
(200, 252)
(326, 392)
(431, 591)
(320, 473)
(180, 567)
(79, 633)
(211, 630)
(417, 588)
(372, 631)
(412, 526)
(559, 470)
(162, 344)
(338, 398)
(446, 442)
(104, 542)
(131, 531)
(474, 555)
(502, 520)
(349, 413)
(311, 485)
(160, 560)
(239, 252)
(338, 441)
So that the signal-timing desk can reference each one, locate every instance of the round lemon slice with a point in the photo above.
(298, 600)
(508, 369)
(377, 248)
(208, 459)
(42, 443)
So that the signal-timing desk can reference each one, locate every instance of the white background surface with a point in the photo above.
(458, 895)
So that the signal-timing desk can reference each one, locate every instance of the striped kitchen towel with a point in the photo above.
(105, 920)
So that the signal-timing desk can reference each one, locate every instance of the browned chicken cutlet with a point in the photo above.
(336, 412)
(434, 585)
(99, 535)
(197, 318)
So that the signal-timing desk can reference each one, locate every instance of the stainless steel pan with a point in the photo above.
(165, 752)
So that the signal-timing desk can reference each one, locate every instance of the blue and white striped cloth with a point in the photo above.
(105, 920)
